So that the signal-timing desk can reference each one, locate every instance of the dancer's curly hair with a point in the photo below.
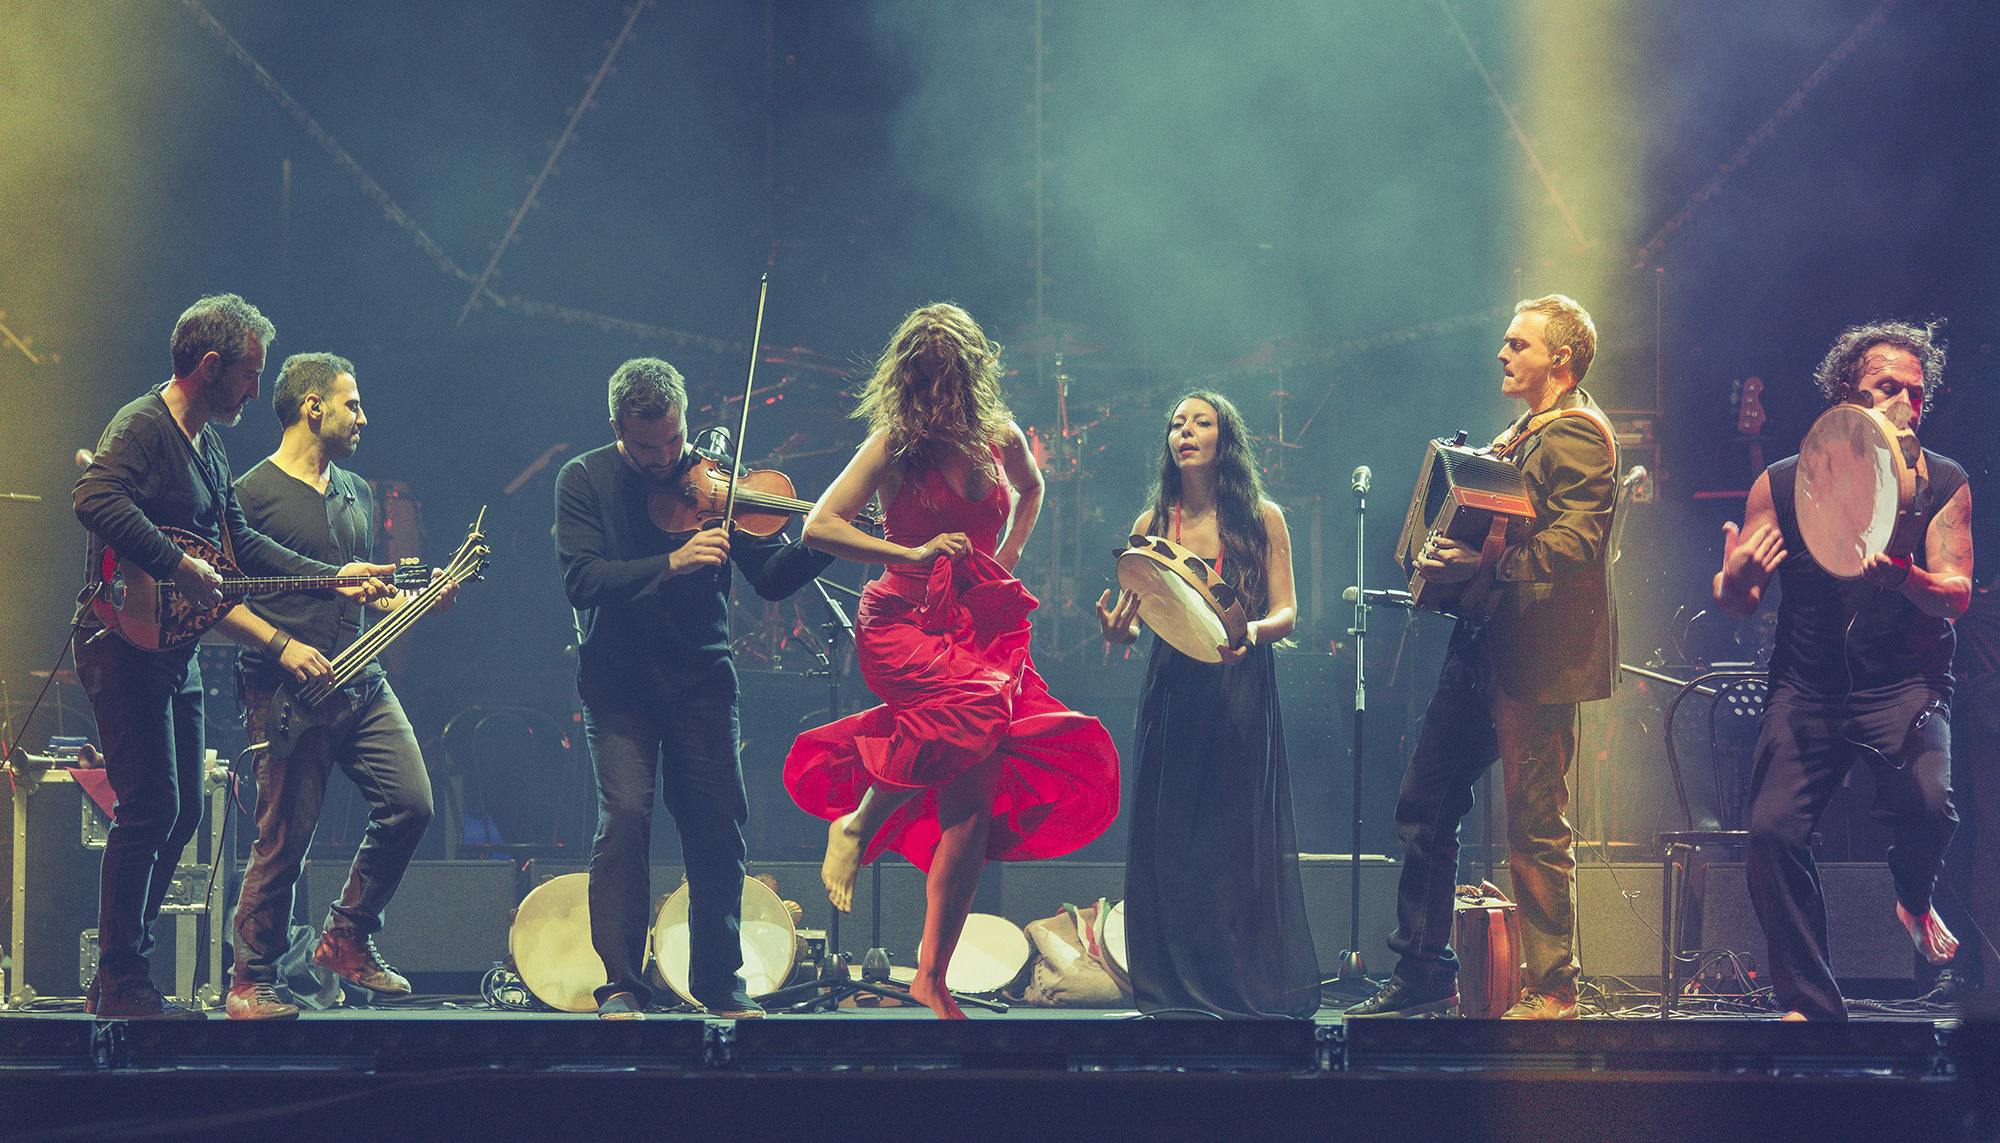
(1239, 499)
(936, 390)
(1839, 373)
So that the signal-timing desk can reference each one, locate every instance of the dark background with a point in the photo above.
(1319, 209)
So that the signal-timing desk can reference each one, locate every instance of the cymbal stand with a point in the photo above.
(836, 981)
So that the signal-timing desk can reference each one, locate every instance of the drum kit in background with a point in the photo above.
(549, 943)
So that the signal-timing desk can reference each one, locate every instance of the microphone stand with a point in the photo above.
(1353, 970)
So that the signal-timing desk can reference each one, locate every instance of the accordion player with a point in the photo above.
(1463, 494)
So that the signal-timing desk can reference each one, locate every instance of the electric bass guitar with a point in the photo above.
(296, 708)
(153, 615)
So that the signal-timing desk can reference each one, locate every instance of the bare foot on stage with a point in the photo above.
(842, 863)
(1929, 934)
(1794, 1017)
(937, 998)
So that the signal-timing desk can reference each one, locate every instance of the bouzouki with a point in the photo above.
(153, 615)
(296, 708)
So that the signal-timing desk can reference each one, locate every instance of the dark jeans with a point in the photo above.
(149, 722)
(366, 735)
(1804, 750)
(691, 736)
(1470, 722)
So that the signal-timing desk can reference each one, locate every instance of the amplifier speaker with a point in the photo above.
(1866, 941)
(1617, 919)
(1328, 910)
(448, 917)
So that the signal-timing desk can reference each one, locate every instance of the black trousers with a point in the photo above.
(690, 738)
(1804, 750)
(149, 722)
(370, 739)
(1470, 722)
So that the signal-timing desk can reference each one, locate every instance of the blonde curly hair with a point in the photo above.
(935, 390)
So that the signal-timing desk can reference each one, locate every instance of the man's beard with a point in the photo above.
(222, 415)
(338, 447)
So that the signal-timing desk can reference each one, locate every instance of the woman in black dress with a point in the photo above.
(1215, 917)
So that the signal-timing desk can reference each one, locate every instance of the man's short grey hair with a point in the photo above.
(222, 324)
(647, 388)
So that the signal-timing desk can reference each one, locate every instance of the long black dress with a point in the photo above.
(1215, 915)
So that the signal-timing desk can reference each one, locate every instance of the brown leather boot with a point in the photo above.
(257, 1002)
(355, 960)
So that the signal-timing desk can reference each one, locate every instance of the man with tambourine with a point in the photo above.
(1870, 537)
(1534, 639)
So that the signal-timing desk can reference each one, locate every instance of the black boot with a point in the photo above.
(1398, 998)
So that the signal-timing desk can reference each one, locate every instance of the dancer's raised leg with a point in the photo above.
(847, 838)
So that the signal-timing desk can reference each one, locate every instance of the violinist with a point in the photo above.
(658, 685)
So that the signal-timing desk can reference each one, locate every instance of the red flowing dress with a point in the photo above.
(945, 648)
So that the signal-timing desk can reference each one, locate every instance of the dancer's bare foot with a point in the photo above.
(842, 863)
(1929, 934)
(935, 996)
(1794, 1017)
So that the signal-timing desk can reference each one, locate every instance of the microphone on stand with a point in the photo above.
(1360, 479)
(1634, 476)
(713, 443)
(1371, 595)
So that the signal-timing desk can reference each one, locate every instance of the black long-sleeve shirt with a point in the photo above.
(643, 633)
(336, 526)
(147, 475)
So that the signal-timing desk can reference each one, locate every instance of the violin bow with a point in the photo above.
(743, 423)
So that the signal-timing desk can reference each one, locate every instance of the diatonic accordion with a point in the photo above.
(1466, 495)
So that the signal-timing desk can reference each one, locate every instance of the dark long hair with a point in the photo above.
(1239, 499)
(1839, 373)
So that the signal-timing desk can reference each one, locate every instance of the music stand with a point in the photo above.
(836, 981)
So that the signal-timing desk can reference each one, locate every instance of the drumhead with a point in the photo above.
(767, 935)
(1848, 488)
(1114, 936)
(989, 955)
(550, 944)
(1173, 608)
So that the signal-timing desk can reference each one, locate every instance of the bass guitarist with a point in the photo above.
(160, 463)
(299, 496)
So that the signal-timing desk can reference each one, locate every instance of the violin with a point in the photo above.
(699, 498)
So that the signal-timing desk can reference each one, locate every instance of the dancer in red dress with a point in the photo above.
(969, 758)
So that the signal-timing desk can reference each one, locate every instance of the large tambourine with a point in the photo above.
(1857, 479)
(1182, 598)
(768, 937)
(550, 943)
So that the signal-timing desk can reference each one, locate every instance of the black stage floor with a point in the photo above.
(888, 1074)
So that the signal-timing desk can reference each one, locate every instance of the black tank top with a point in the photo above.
(1891, 641)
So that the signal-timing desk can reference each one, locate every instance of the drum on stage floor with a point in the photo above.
(1114, 937)
(990, 954)
(550, 944)
(770, 941)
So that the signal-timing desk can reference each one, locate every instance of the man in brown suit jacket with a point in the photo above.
(1535, 638)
